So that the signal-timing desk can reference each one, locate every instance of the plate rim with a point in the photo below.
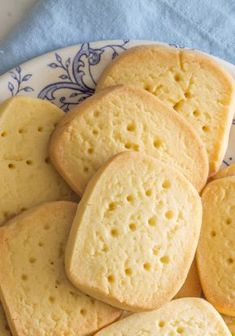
(229, 66)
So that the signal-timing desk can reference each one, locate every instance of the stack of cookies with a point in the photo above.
(150, 247)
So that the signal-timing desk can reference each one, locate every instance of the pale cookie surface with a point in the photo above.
(121, 119)
(192, 286)
(230, 321)
(4, 329)
(135, 233)
(188, 317)
(27, 177)
(36, 294)
(228, 171)
(190, 82)
(216, 252)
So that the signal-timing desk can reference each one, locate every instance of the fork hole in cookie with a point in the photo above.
(51, 299)
(180, 330)
(230, 261)
(112, 206)
(213, 234)
(132, 227)
(177, 106)
(3, 134)
(83, 312)
(147, 266)
(187, 94)
(148, 192)
(131, 127)
(161, 324)
(21, 130)
(40, 244)
(228, 221)
(11, 166)
(86, 169)
(24, 277)
(111, 278)
(177, 77)
(29, 162)
(32, 260)
(90, 150)
(169, 214)
(130, 198)
(157, 143)
(152, 221)
(205, 128)
(95, 132)
(128, 271)
(196, 113)
(148, 87)
(128, 145)
(40, 129)
(47, 160)
(114, 233)
(46, 227)
(166, 184)
(165, 260)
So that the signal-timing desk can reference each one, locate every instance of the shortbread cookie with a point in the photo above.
(27, 177)
(36, 294)
(188, 317)
(4, 329)
(228, 171)
(216, 252)
(121, 119)
(192, 286)
(192, 83)
(135, 233)
(230, 321)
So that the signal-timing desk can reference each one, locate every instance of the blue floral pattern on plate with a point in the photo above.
(16, 85)
(77, 74)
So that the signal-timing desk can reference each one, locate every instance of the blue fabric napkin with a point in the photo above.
(208, 25)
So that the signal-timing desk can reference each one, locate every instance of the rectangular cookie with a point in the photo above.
(37, 296)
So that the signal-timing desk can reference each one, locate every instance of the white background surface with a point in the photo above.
(12, 12)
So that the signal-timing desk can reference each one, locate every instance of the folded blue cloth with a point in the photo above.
(208, 25)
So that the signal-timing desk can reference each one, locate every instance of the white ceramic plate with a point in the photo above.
(68, 76)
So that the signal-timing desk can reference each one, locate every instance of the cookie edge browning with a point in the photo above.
(13, 319)
(203, 304)
(208, 291)
(71, 243)
(201, 58)
(60, 134)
